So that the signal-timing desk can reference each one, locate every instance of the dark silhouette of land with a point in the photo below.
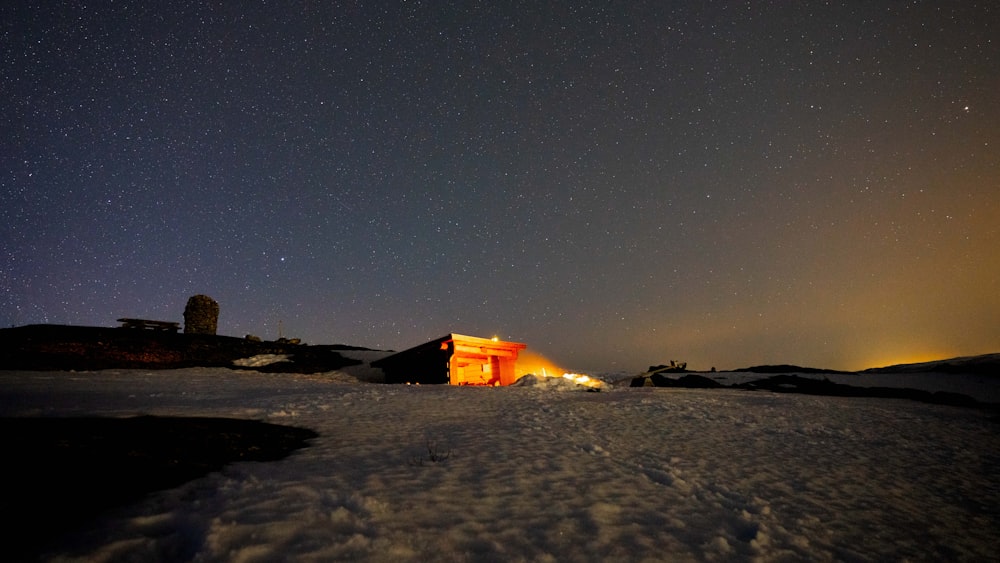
(84, 348)
(786, 378)
(786, 368)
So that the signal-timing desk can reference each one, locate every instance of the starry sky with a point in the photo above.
(615, 184)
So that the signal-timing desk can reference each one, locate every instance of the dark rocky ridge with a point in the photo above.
(83, 348)
(786, 368)
(789, 379)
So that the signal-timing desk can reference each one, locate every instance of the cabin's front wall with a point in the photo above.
(482, 365)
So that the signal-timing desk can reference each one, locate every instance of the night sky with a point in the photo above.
(616, 185)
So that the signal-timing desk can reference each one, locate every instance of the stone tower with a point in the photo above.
(201, 316)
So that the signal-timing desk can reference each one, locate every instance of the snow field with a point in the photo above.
(533, 474)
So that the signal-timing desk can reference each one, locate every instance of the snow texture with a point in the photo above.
(545, 473)
(261, 360)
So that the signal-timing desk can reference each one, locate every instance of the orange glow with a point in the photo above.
(529, 362)
(532, 362)
(912, 358)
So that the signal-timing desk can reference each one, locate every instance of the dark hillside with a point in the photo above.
(786, 368)
(986, 364)
(65, 347)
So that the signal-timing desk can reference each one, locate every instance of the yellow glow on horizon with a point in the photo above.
(907, 358)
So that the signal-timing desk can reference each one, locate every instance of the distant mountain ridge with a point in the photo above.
(787, 368)
(985, 364)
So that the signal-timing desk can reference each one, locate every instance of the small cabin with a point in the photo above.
(454, 359)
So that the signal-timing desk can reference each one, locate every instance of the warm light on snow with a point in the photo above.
(530, 362)
(581, 379)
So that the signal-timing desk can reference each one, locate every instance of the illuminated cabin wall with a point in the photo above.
(456, 359)
(475, 365)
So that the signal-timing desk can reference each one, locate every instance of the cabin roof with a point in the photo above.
(463, 339)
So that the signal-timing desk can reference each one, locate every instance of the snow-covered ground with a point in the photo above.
(538, 473)
(983, 388)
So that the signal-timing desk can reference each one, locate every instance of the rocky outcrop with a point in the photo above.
(201, 315)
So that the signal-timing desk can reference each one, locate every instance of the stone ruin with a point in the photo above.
(201, 315)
